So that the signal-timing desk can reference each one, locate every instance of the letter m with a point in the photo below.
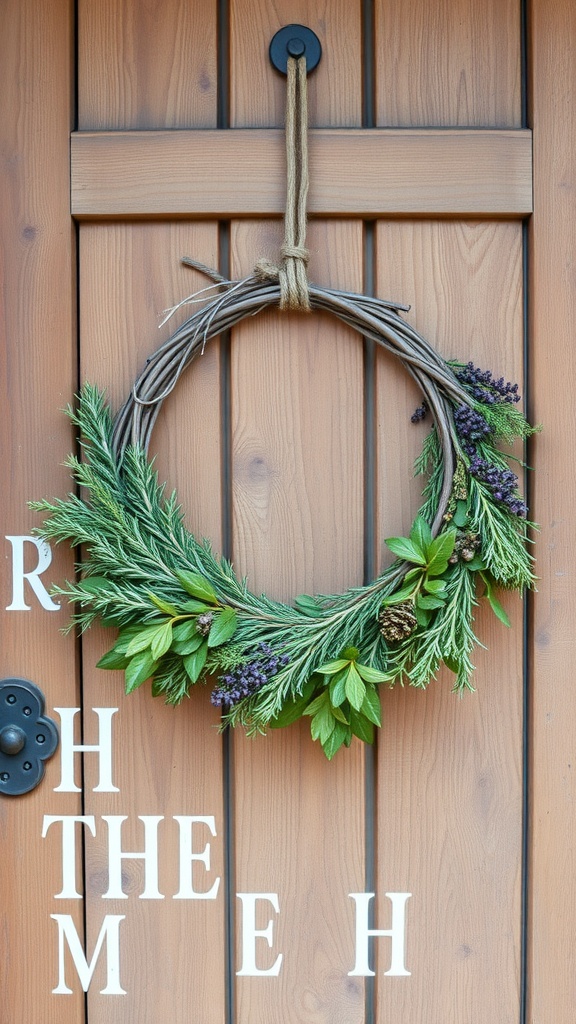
(109, 933)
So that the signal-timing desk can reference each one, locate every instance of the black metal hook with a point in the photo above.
(295, 41)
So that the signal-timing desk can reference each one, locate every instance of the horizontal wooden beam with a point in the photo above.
(353, 172)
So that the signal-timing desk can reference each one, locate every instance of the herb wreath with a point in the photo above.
(184, 616)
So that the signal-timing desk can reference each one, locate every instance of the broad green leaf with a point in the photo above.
(162, 641)
(429, 603)
(398, 596)
(439, 552)
(197, 586)
(335, 740)
(355, 688)
(361, 727)
(294, 709)
(194, 663)
(371, 706)
(307, 605)
(421, 534)
(331, 667)
(125, 637)
(476, 564)
(322, 725)
(168, 609)
(183, 647)
(339, 714)
(414, 574)
(223, 627)
(184, 630)
(452, 664)
(337, 687)
(460, 517)
(406, 549)
(139, 668)
(372, 675)
(197, 607)
(322, 701)
(493, 601)
(112, 660)
(422, 616)
(434, 586)
(142, 640)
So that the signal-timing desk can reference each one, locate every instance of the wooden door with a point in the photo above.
(291, 447)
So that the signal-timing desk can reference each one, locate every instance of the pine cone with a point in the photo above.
(397, 621)
(203, 623)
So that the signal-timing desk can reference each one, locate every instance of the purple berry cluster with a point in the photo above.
(501, 482)
(470, 426)
(419, 413)
(484, 388)
(245, 679)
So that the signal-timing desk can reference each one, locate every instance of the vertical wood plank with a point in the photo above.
(146, 65)
(168, 760)
(449, 770)
(37, 360)
(551, 980)
(454, 62)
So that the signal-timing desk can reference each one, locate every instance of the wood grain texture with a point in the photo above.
(334, 88)
(552, 984)
(450, 770)
(353, 172)
(297, 418)
(37, 374)
(169, 761)
(146, 65)
(454, 62)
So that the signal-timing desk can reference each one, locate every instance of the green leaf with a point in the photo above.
(493, 601)
(351, 654)
(318, 703)
(339, 714)
(184, 630)
(406, 549)
(196, 607)
(322, 725)
(139, 668)
(434, 586)
(398, 596)
(361, 727)
(429, 603)
(223, 627)
(331, 667)
(197, 586)
(421, 534)
(308, 605)
(294, 709)
(422, 616)
(142, 640)
(168, 609)
(183, 647)
(372, 675)
(335, 740)
(476, 564)
(93, 584)
(439, 552)
(460, 517)
(112, 660)
(162, 641)
(371, 708)
(414, 574)
(125, 637)
(355, 688)
(195, 662)
(452, 664)
(337, 687)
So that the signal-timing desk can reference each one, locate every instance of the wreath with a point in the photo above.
(184, 616)
(182, 613)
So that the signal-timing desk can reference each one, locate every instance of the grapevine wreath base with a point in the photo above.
(184, 616)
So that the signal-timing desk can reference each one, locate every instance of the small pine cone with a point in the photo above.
(203, 623)
(397, 621)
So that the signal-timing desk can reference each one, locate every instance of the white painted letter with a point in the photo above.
(149, 856)
(110, 931)
(68, 748)
(396, 933)
(68, 850)
(187, 891)
(33, 576)
(250, 933)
